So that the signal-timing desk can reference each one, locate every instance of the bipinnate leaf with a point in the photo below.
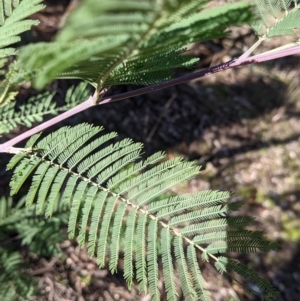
(108, 188)
(128, 41)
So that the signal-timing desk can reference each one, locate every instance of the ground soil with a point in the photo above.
(242, 126)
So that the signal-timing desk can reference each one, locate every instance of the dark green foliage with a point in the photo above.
(21, 226)
(15, 282)
(31, 228)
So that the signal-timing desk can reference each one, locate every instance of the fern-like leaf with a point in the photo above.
(141, 264)
(128, 41)
(152, 268)
(184, 276)
(109, 189)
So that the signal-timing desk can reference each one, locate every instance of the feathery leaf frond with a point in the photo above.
(27, 114)
(108, 189)
(128, 41)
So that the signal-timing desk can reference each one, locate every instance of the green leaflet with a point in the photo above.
(111, 188)
(129, 242)
(168, 265)
(184, 276)
(141, 268)
(196, 275)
